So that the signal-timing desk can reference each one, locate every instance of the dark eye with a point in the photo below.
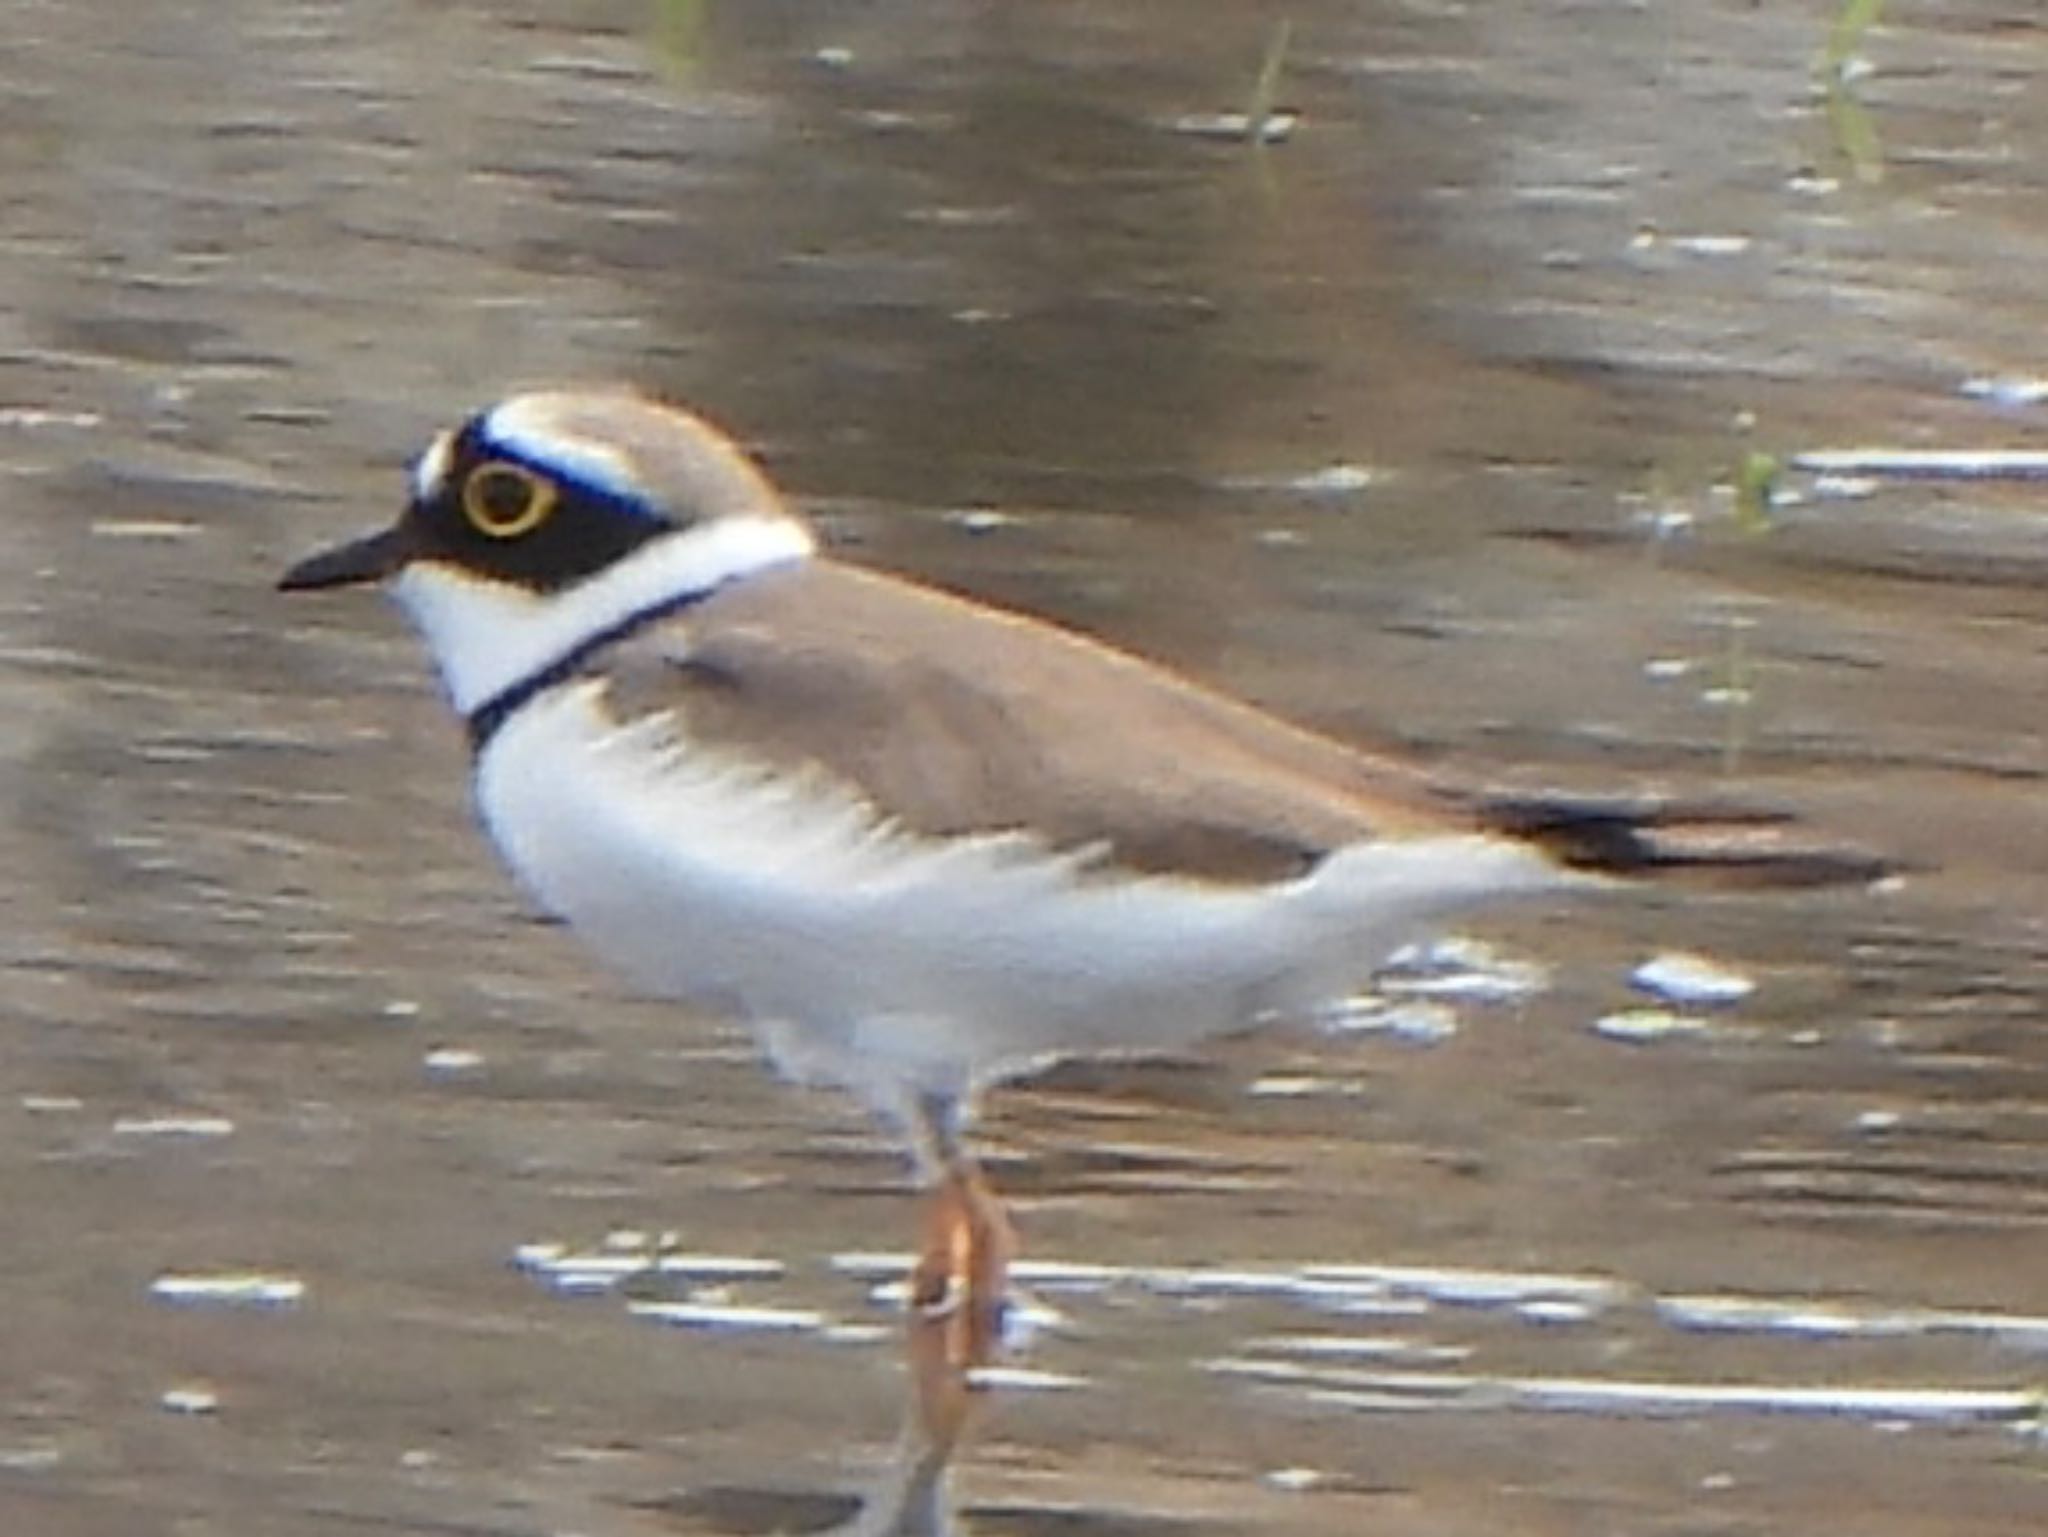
(504, 500)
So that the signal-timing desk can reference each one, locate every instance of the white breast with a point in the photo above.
(889, 959)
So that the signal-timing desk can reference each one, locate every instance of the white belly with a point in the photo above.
(890, 961)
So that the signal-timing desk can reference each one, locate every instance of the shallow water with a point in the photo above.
(1415, 426)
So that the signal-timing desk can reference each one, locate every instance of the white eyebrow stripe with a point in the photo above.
(430, 470)
(528, 428)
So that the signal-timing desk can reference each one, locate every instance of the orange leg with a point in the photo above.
(957, 1294)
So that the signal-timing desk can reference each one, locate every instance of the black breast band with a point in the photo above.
(485, 721)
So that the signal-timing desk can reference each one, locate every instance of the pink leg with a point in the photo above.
(957, 1292)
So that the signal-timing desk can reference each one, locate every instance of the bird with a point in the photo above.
(921, 843)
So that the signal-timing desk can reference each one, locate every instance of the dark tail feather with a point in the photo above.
(1718, 845)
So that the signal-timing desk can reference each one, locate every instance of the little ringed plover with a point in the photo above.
(919, 842)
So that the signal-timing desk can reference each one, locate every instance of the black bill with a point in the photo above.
(369, 559)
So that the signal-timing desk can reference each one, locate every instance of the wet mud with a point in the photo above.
(343, 1196)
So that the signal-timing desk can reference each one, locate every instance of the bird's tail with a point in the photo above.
(1712, 844)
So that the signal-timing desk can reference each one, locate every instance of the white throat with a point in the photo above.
(487, 635)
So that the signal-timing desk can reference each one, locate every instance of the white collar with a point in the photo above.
(488, 636)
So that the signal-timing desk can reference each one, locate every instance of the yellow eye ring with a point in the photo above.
(503, 500)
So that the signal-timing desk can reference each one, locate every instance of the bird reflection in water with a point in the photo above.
(911, 1495)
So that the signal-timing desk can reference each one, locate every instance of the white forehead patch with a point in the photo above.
(536, 428)
(430, 470)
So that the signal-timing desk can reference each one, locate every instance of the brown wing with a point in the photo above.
(953, 717)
